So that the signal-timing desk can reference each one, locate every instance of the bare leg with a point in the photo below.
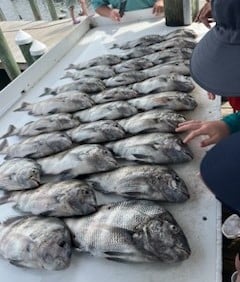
(84, 7)
(71, 11)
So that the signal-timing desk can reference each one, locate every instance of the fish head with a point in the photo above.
(173, 187)
(28, 176)
(103, 159)
(162, 237)
(113, 130)
(56, 249)
(187, 100)
(182, 83)
(82, 198)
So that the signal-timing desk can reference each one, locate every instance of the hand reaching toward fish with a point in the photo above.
(158, 7)
(214, 130)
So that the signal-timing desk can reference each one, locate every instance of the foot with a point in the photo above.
(76, 22)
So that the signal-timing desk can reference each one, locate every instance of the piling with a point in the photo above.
(37, 49)
(24, 42)
(35, 10)
(2, 16)
(7, 58)
(52, 10)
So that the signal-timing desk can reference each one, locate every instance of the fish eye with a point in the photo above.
(174, 228)
(61, 244)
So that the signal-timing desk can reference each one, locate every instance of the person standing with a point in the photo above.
(70, 4)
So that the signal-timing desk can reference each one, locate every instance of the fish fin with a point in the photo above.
(5, 198)
(41, 128)
(53, 111)
(47, 91)
(11, 220)
(17, 263)
(71, 66)
(66, 174)
(139, 156)
(3, 145)
(23, 107)
(46, 213)
(10, 131)
(133, 194)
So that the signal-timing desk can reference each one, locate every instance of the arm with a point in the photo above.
(107, 12)
(233, 122)
(205, 14)
(158, 7)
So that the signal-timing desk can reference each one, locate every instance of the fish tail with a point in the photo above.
(23, 107)
(3, 145)
(6, 198)
(47, 91)
(10, 131)
(71, 66)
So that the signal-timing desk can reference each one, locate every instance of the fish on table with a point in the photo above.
(66, 198)
(162, 83)
(171, 100)
(97, 132)
(130, 231)
(149, 182)
(66, 102)
(154, 148)
(80, 160)
(46, 124)
(19, 174)
(111, 110)
(36, 242)
(158, 120)
(126, 78)
(133, 64)
(37, 146)
(108, 59)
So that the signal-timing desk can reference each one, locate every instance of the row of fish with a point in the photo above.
(129, 231)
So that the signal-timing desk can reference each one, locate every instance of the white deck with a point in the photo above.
(200, 217)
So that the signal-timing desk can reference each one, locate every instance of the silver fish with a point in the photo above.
(134, 64)
(158, 120)
(115, 94)
(150, 182)
(86, 84)
(155, 148)
(96, 132)
(130, 231)
(156, 38)
(112, 110)
(62, 103)
(164, 69)
(38, 146)
(101, 60)
(102, 72)
(83, 159)
(181, 43)
(46, 124)
(126, 78)
(19, 174)
(165, 100)
(169, 82)
(137, 53)
(65, 198)
(36, 242)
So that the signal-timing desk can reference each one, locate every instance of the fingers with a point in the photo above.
(188, 125)
(211, 96)
(115, 16)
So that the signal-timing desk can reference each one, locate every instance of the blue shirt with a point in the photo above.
(131, 4)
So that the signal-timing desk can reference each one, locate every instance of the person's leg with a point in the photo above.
(83, 5)
(71, 11)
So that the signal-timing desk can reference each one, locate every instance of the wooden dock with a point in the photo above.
(50, 33)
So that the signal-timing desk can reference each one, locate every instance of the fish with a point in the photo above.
(165, 69)
(151, 39)
(125, 78)
(181, 43)
(149, 182)
(80, 160)
(171, 100)
(101, 71)
(37, 146)
(137, 53)
(169, 55)
(66, 198)
(162, 83)
(87, 85)
(47, 124)
(62, 103)
(19, 174)
(133, 64)
(114, 94)
(130, 231)
(97, 132)
(154, 148)
(158, 120)
(36, 242)
(112, 110)
(108, 59)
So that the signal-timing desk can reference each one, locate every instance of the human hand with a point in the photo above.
(211, 96)
(114, 15)
(158, 7)
(205, 15)
(214, 130)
